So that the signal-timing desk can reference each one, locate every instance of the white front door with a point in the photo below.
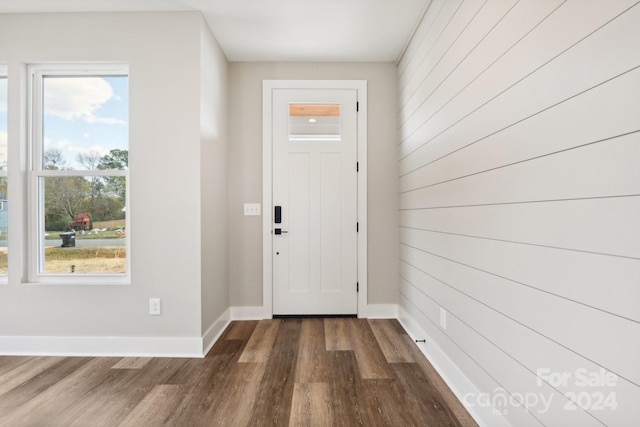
(315, 189)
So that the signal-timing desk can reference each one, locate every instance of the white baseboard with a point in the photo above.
(213, 333)
(379, 311)
(115, 346)
(192, 347)
(249, 313)
(127, 346)
(450, 373)
(370, 311)
(100, 346)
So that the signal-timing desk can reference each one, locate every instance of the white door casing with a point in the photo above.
(318, 260)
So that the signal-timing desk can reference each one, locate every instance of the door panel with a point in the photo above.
(315, 183)
(298, 222)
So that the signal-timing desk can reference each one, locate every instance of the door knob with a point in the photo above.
(279, 231)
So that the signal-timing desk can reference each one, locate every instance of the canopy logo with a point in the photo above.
(585, 389)
(590, 390)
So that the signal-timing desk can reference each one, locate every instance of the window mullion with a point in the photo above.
(36, 128)
(83, 173)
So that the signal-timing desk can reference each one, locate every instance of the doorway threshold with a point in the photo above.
(314, 316)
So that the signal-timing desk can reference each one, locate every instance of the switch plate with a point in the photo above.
(155, 308)
(251, 209)
(443, 318)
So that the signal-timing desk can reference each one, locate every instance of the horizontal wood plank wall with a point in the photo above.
(519, 162)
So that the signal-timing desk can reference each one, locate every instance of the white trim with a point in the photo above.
(267, 162)
(362, 198)
(380, 311)
(370, 311)
(267, 200)
(213, 333)
(4, 74)
(249, 313)
(117, 346)
(455, 379)
(101, 346)
(413, 32)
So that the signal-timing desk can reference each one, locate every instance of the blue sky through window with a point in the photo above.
(85, 115)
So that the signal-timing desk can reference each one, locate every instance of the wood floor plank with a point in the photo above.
(8, 363)
(99, 401)
(461, 414)
(36, 386)
(347, 397)
(237, 404)
(42, 403)
(261, 342)
(206, 389)
(240, 330)
(273, 400)
(311, 405)
(421, 398)
(337, 334)
(192, 369)
(371, 361)
(131, 363)
(393, 347)
(312, 365)
(156, 407)
(189, 370)
(387, 405)
(123, 390)
(22, 372)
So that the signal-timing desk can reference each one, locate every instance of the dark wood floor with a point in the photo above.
(296, 372)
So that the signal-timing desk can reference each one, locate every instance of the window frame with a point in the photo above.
(4, 74)
(35, 147)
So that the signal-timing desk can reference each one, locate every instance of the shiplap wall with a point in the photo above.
(519, 164)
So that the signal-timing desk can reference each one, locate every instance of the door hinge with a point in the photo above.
(357, 286)
(357, 106)
(357, 227)
(357, 166)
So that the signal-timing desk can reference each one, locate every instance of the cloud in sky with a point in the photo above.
(85, 115)
(78, 98)
(69, 147)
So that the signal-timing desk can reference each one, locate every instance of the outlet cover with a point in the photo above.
(443, 318)
(155, 308)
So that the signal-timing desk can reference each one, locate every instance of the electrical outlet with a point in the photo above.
(443, 318)
(154, 307)
(252, 209)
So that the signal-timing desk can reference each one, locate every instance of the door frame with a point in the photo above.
(268, 86)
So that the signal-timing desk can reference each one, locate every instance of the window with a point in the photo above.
(314, 122)
(79, 170)
(4, 269)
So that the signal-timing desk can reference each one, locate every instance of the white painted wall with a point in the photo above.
(520, 199)
(245, 171)
(173, 130)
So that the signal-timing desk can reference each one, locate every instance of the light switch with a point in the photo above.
(252, 209)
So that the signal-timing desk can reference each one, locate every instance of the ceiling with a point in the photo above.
(278, 30)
